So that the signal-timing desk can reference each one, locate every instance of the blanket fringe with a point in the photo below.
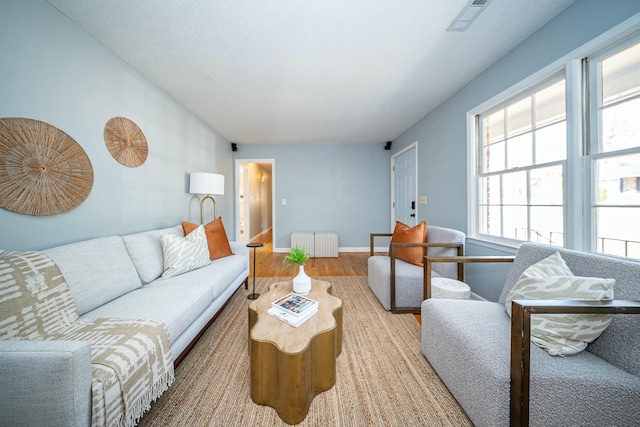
(142, 405)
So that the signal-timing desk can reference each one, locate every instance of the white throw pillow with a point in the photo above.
(182, 254)
(562, 334)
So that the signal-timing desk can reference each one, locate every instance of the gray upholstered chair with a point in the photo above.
(488, 364)
(401, 286)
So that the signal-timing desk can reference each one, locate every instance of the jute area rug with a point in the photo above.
(382, 377)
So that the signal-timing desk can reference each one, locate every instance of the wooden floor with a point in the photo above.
(269, 264)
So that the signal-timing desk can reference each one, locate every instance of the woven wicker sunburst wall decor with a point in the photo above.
(125, 142)
(43, 171)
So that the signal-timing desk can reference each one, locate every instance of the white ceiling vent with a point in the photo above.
(469, 13)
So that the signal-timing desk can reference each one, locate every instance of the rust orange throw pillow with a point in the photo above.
(217, 240)
(405, 234)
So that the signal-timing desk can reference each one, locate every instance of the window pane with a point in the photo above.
(550, 104)
(621, 75)
(618, 231)
(519, 117)
(519, 151)
(514, 187)
(494, 157)
(490, 220)
(515, 222)
(494, 127)
(621, 126)
(490, 190)
(511, 148)
(546, 186)
(551, 143)
(618, 180)
(618, 200)
(547, 225)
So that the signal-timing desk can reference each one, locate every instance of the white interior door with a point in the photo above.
(404, 172)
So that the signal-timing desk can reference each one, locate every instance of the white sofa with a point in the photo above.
(49, 382)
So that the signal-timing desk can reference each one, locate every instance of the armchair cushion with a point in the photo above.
(405, 234)
(562, 334)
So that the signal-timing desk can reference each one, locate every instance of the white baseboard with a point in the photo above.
(342, 249)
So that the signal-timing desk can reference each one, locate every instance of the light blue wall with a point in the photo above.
(333, 187)
(441, 134)
(51, 70)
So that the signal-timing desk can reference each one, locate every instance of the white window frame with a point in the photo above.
(592, 151)
(578, 217)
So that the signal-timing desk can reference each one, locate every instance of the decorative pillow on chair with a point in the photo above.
(217, 240)
(182, 254)
(405, 234)
(562, 334)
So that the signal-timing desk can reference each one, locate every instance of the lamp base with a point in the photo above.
(253, 296)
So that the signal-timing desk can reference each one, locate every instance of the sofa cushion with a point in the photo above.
(217, 240)
(183, 254)
(402, 233)
(562, 334)
(216, 276)
(145, 250)
(97, 271)
(175, 306)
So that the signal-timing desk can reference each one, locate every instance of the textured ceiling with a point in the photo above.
(291, 71)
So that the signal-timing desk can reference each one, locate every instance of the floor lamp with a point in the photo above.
(206, 183)
(254, 295)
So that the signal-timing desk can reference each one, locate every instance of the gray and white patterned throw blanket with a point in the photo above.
(131, 359)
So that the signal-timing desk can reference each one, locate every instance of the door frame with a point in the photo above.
(412, 146)
(236, 195)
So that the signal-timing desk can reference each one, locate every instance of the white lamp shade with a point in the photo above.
(206, 183)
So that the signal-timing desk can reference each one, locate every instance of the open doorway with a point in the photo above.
(254, 199)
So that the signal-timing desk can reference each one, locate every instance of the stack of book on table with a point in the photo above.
(293, 309)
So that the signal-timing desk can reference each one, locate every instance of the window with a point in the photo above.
(615, 147)
(557, 161)
(523, 149)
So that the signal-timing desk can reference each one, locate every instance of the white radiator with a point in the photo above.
(326, 244)
(303, 240)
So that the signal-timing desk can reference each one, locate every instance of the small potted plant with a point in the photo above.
(302, 282)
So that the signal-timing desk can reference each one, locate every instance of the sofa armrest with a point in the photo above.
(521, 311)
(45, 383)
(239, 248)
(460, 260)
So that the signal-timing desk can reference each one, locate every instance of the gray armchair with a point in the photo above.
(400, 286)
(487, 362)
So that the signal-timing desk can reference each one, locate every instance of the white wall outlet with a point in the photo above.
(423, 200)
(284, 202)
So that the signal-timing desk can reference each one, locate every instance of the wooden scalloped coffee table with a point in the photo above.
(290, 366)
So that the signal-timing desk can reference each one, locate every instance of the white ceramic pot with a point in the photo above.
(302, 282)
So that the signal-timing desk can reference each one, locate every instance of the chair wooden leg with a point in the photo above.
(520, 365)
(427, 279)
(392, 268)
